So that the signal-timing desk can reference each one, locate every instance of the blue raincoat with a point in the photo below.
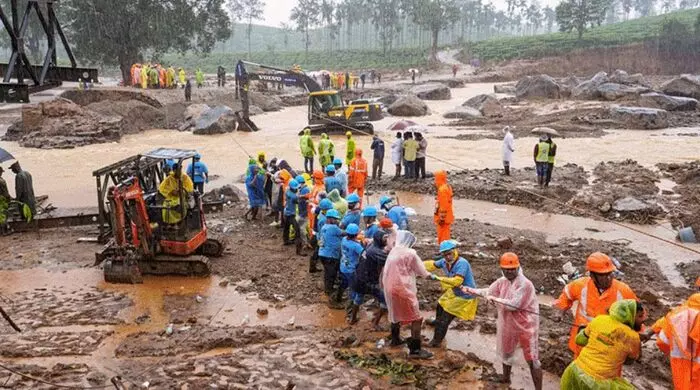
(255, 186)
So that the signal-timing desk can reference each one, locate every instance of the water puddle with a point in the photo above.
(558, 226)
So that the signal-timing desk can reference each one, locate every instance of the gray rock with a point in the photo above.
(541, 86)
(409, 105)
(462, 112)
(622, 77)
(504, 88)
(588, 90)
(630, 204)
(613, 91)
(194, 111)
(255, 110)
(567, 84)
(432, 91)
(451, 83)
(225, 193)
(686, 85)
(487, 104)
(217, 120)
(267, 102)
(389, 99)
(668, 103)
(640, 117)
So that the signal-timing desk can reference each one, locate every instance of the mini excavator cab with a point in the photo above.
(154, 233)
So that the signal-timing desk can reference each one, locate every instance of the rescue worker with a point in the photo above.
(353, 215)
(357, 175)
(144, 77)
(199, 77)
(541, 156)
(188, 91)
(678, 336)
(518, 320)
(162, 77)
(319, 220)
(444, 215)
(351, 250)
(397, 153)
(176, 189)
(594, 294)
(171, 78)
(607, 341)
(395, 212)
(350, 148)
(24, 191)
(339, 203)
(550, 162)
(255, 186)
(342, 176)
(329, 252)
(378, 157)
(302, 218)
(410, 154)
(421, 154)
(508, 149)
(402, 267)
(318, 186)
(369, 268)
(326, 150)
(199, 173)
(290, 216)
(153, 77)
(4, 203)
(454, 302)
(306, 144)
(331, 181)
(282, 179)
(369, 214)
(183, 77)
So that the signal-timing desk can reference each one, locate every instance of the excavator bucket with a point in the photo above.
(122, 271)
(245, 124)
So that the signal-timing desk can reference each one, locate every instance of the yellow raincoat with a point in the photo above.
(170, 189)
(458, 275)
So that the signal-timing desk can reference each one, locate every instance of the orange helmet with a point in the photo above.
(599, 263)
(509, 260)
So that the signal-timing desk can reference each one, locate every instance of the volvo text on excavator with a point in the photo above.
(149, 234)
(327, 113)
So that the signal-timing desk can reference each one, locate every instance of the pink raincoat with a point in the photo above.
(516, 327)
(399, 279)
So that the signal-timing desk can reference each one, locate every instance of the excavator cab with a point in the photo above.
(153, 233)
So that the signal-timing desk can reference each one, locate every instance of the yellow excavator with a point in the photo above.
(327, 113)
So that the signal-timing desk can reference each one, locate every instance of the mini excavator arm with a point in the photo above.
(128, 205)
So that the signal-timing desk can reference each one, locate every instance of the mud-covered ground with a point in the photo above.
(684, 202)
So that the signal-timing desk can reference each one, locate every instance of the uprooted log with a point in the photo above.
(9, 320)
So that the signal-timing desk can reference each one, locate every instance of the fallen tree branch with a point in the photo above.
(9, 320)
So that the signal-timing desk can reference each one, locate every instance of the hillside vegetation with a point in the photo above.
(545, 45)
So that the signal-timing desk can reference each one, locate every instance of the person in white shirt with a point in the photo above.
(508, 149)
(397, 153)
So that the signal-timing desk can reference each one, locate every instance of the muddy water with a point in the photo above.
(69, 181)
(557, 227)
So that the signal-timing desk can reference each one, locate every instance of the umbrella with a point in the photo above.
(544, 130)
(5, 155)
(402, 125)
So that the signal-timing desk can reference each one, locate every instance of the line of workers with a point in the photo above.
(366, 254)
(156, 76)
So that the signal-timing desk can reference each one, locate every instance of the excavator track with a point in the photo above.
(130, 271)
(212, 248)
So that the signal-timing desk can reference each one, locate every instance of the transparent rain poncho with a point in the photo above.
(399, 279)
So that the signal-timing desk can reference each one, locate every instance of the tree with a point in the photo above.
(385, 15)
(306, 16)
(248, 10)
(549, 18)
(580, 14)
(644, 7)
(120, 32)
(286, 30)
(626, 8)
(434, 16)
(668, 6)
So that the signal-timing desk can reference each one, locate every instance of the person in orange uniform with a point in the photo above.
(444, 215)
(357, 175)
(594, 294)
(678, 336)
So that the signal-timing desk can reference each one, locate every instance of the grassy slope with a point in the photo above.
(538, 46)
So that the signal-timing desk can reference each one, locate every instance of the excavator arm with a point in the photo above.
(277, 75)
(127, 201)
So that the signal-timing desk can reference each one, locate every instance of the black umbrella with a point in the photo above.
(5, 155)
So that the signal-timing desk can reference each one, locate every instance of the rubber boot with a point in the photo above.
(352, 318)
(439, 335)
(396, 339)
(313, 263)
(415, 351)
(336, 300)
(300, 248)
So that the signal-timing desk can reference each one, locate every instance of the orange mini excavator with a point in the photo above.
(141, 242)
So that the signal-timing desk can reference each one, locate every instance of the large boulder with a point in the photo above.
(487, 104)
(622, 77)
(541, 86)
(267, 102)
(668, 103)
(588, 90)
(640, 117)
(217, 120)
(62, 124)
(567, 84)
(408, 105)
(451, 83)
(194, 111)
(613, 91)
(686, 85)
(432, 91)
(504, 88)
(462, 112)
(630, 204)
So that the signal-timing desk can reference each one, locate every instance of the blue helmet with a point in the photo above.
(353, 198)
(337, 161)
(300, 179)
(197, 156)
(447, 245)
(305, 191)
(293, 185)
(330, 169)
(333, 213)
(369, 211)
(352, 229)
(384, 200)
(325, 204)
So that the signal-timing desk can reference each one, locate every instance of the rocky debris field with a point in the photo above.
(684, 201)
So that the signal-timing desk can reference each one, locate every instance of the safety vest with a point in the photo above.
(542, 152)
(680, 338)
(357, 173)
(552, 147)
